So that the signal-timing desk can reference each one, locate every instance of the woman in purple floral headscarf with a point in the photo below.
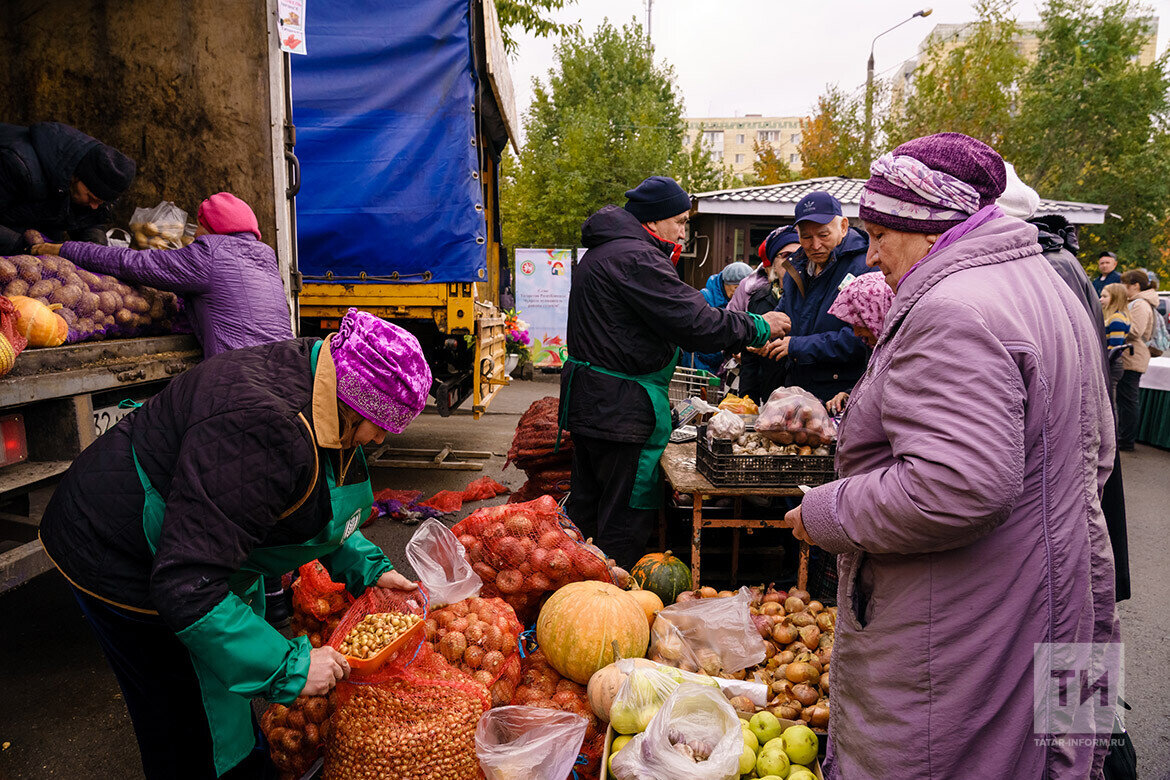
(862, 303)
(248, 465)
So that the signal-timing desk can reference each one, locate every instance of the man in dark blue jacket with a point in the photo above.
(629, 315)
(821, 352)
(57, 180)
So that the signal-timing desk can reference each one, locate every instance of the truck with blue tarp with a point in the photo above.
(402, 110)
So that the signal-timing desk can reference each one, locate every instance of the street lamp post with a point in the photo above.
(869, 83)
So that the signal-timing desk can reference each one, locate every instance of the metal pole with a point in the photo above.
(869, 84)
(649, 10)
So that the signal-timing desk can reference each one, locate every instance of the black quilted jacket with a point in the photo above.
(230, 447)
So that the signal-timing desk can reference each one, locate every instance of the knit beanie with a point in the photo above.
(777, 240)
(225, 213)
(932, 184)
(105, 171)
(736, 273)
(658, 197)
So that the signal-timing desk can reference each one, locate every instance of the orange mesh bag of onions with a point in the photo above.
(480, 636)
(541, 686)
(95, 306)
(523, 552)
(318, 603)
(296, 733)
(413, 719)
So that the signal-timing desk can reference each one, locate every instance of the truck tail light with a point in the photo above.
(15, 443)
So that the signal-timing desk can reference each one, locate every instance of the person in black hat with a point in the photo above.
(820, 353)
(629, 315)
(57, 180)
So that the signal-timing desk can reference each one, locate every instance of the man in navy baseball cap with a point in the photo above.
(820, 352)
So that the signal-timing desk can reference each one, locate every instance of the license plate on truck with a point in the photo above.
(106, 417)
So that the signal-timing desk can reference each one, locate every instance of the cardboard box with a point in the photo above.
(610, 734)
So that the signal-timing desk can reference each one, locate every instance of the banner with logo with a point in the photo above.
(542, 300)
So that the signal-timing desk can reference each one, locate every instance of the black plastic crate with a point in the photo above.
(715, 461)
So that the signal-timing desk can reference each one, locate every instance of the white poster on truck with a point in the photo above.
(291, 14)
(542, 300)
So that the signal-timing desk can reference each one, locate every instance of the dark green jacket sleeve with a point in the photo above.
(358, 563)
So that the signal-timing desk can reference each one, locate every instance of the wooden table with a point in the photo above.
(678, 463)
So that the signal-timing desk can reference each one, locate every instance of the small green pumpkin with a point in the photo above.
(663, 575)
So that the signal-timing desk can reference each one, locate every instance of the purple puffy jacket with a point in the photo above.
(230, 283)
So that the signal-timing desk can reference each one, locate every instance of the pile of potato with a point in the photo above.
(94, 306)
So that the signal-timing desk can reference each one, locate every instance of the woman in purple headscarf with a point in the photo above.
(974, 564)
(862, 303)
(246, 465)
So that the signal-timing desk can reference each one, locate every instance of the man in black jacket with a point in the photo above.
(629, 313)
(57, 180)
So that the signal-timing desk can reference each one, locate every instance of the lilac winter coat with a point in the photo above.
(231, 284)
(967, 519)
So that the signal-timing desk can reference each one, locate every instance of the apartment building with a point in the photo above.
(731, 140)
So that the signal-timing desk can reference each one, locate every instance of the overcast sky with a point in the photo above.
(770, 57)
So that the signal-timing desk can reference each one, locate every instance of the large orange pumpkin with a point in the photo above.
(580, 624)
(663, 574)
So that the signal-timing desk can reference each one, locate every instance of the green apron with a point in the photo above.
(237, 621)
(647, 491)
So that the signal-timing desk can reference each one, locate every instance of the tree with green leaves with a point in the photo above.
(1093, 126)
(606, 118)
(832, 140)
(531, 16)
(967, 85)
(769, 167)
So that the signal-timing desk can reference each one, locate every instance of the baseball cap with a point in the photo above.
(819, 207)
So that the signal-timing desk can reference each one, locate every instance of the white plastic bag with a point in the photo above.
(161, 227)
(528, 743)
(695, 736)
(715, 636)
(645, 691)
(725, 425)
(441, 565)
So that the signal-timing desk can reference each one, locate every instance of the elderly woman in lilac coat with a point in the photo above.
(229, 280)
(967, 520)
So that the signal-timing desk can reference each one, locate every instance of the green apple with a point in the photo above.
(800, 743)
(771, 777)
(773, 760)
(747, 760)
(765, 726)
(800, 773)
(749, 739)
(624, 718)
(619, 743)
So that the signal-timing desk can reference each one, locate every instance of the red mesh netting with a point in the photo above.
(417, 724)
(541, 686)
(318, 603)
(522, 552)
(532, 452)
(480, 636)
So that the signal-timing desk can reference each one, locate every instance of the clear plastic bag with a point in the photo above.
(795, 416)
(725, 425)
(161, 227)
(695, 736)
(645, 691)
(715, 636)
(440, 563)
(528, 743)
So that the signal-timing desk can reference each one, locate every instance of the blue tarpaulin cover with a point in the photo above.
(383, 105)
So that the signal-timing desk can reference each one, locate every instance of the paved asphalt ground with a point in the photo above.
(61, 715)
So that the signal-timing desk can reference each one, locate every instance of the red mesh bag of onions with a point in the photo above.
(524, 551)
(318, 603)
(412, 719)
(95, 306)
(541, 686)
(480, 637)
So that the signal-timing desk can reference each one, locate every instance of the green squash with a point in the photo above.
(663, 575)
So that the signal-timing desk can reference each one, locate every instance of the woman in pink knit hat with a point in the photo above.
(229, 280)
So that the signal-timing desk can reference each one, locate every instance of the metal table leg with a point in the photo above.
(697, 521)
